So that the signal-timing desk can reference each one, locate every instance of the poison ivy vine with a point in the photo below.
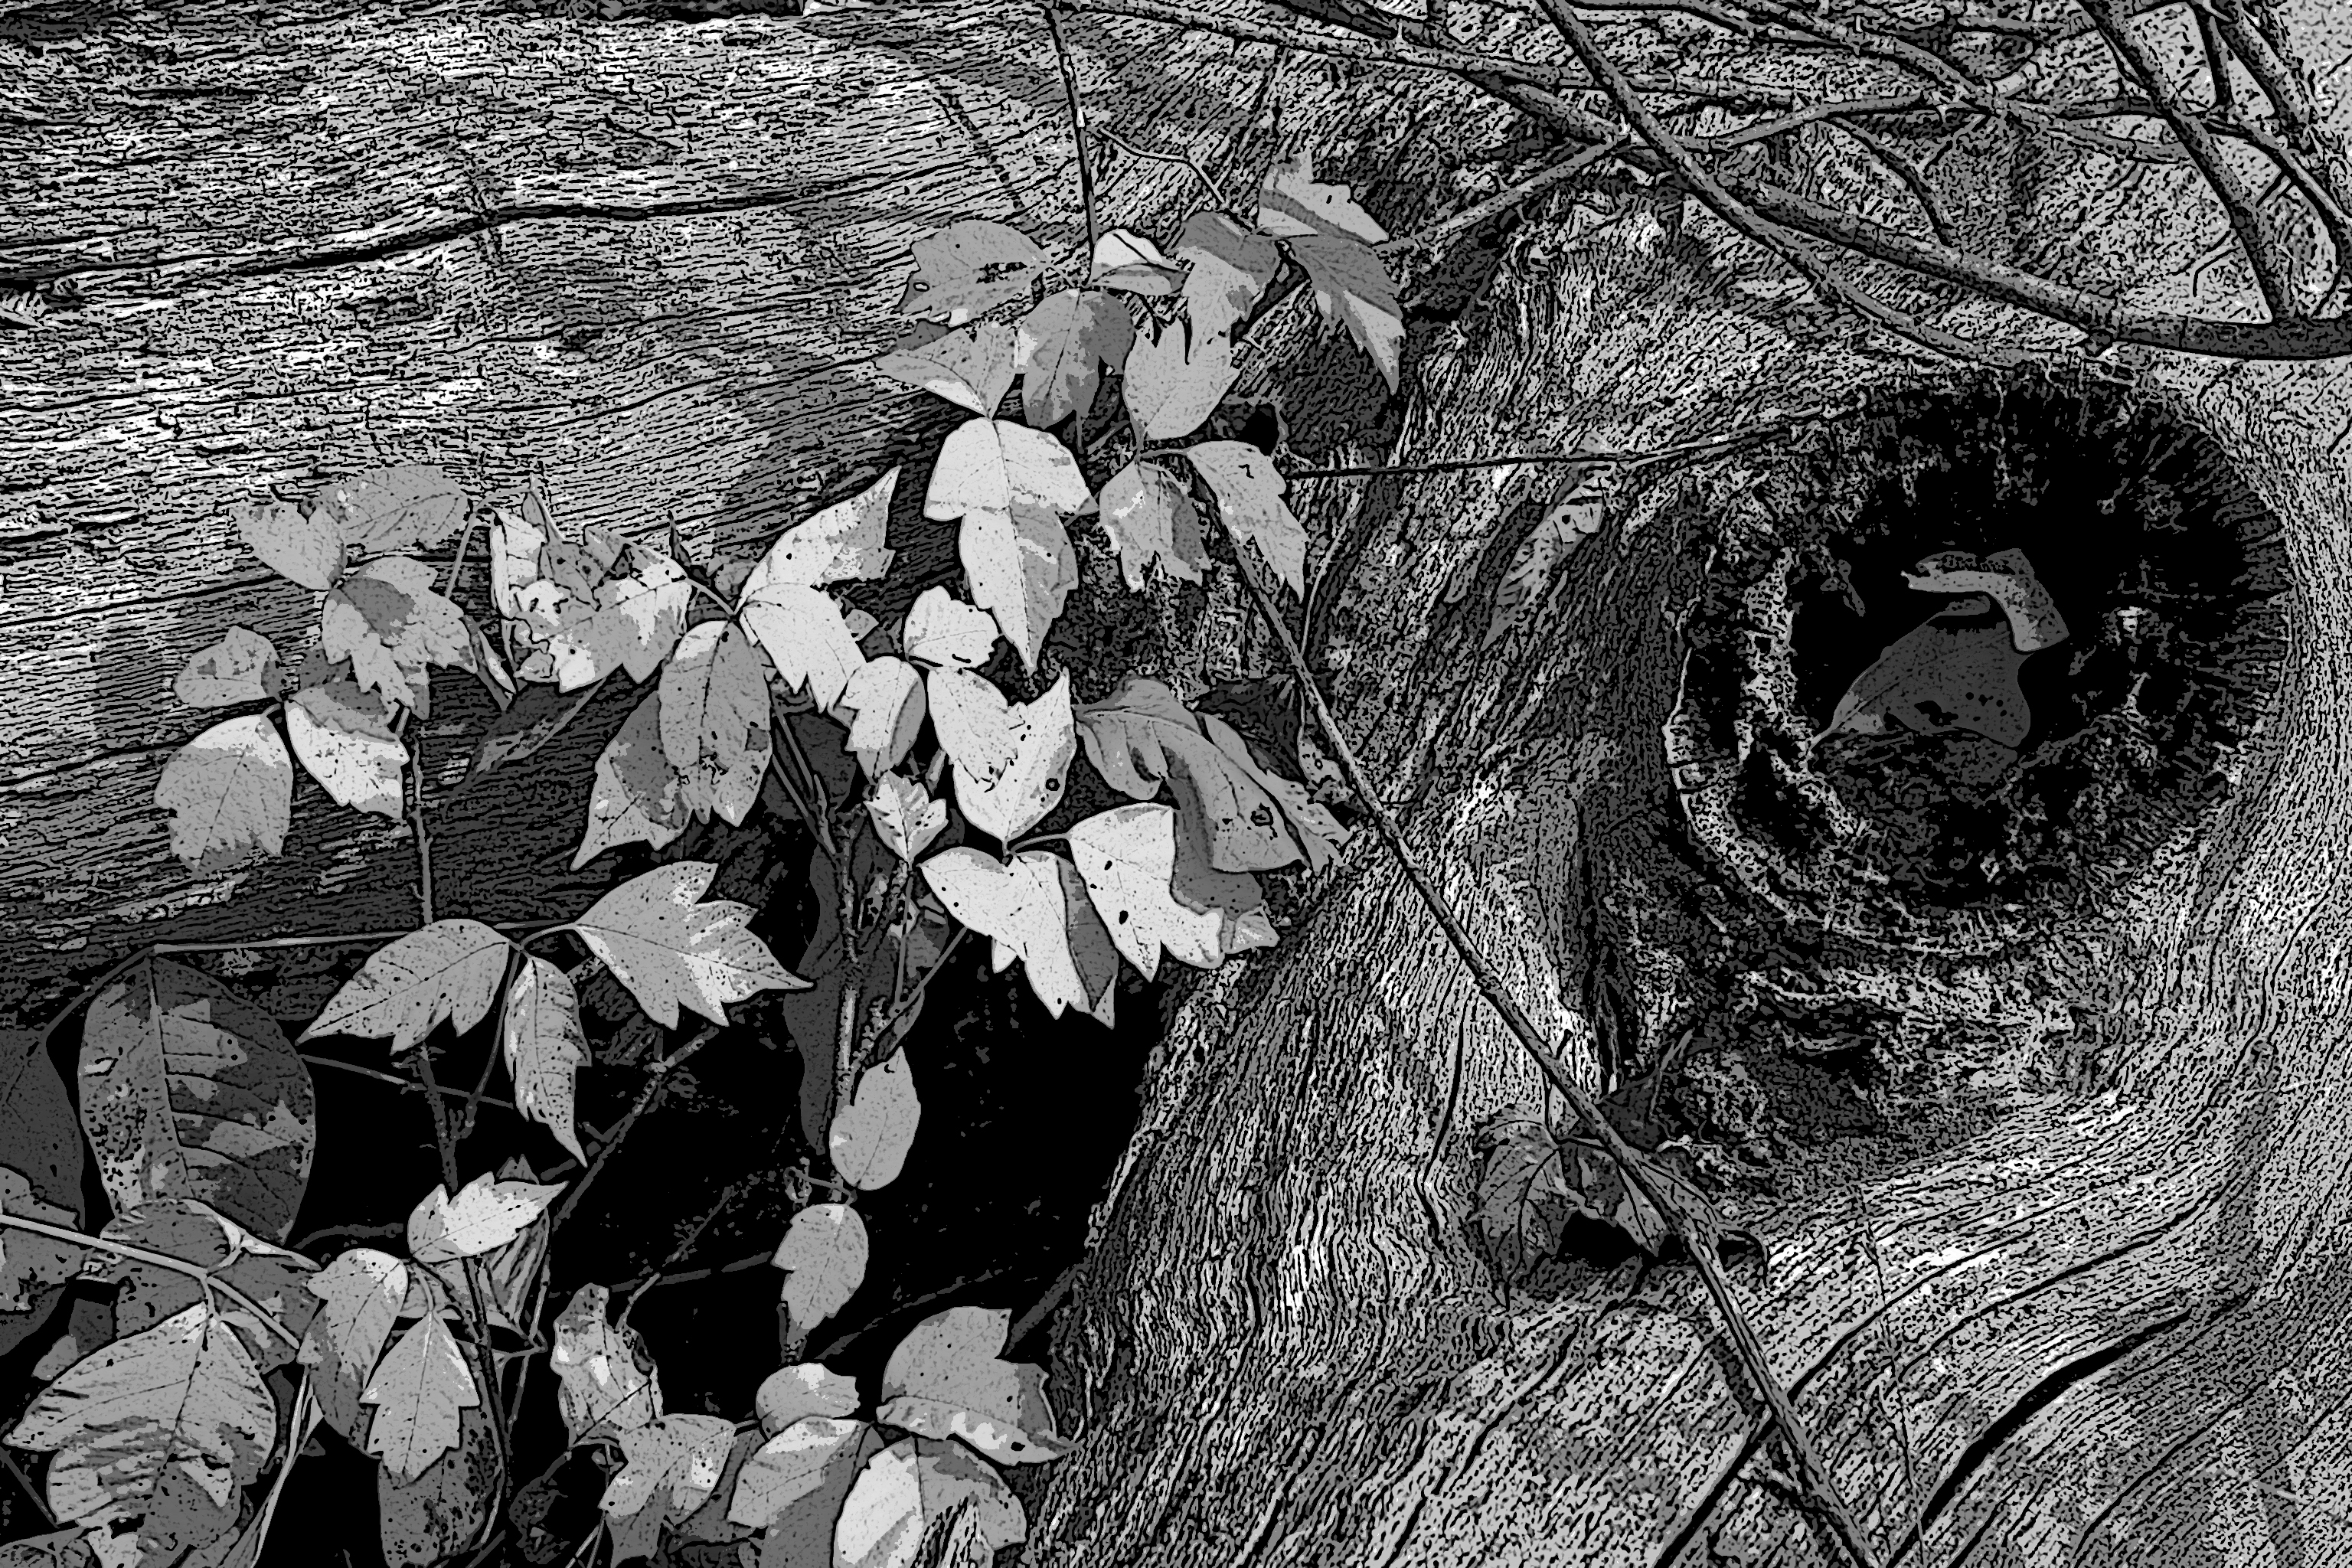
(920, 779)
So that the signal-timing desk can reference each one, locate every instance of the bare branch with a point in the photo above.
(1501, 201)
(2198, 142)
(1900, 163)
(1077, 138)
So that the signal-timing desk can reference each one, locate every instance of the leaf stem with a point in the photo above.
(396, 1081)
(205, 1279)
(678, 1253)
(1813, 1476)
(1077, 133)
(656, 1076)
(41, 1503)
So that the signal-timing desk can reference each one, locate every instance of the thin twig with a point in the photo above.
(1216, 196)
(1077, 131)
(396, 1081)
(656, 1077)
(678, 1253)
(204, 1277)
(1630, 459)
(305, 1418)
(759, 1260)
(2235, 203)
(1902, 1405)
(1940, 221)
(1501, 201)
(1814, 1476)
(41, 1503)
(1028, 1321)
(841, 1342)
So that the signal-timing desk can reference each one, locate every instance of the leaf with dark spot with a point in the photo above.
(1523, 1204)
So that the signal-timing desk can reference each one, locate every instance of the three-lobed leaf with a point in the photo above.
(970, 267)
(905, 816)
(1012, 761)
(670, 1465)
(668, 949)
(1249, 491)
(1149, 519)
(386, 618)
(971, 368)
(1060, 349)
(381, 511)
(1128, 858)
(635, 795)
(1229, 268)
(359, 1295)
(486, 1214)
(344, 737)
(1011, 486)
(419, 1390)
(305, 550)
(447, 973)
(1176, 378)
(944, 633)
(242, 666)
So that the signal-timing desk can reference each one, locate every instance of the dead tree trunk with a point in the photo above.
(2055, 1259)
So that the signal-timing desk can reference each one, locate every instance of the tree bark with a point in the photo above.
(2031, 1317)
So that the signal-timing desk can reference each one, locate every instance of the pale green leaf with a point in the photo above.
(1176, 378)
(605, 1378)
(943, 632)
(419, 1390)
(240, 667)
(870, 1134)
(1036, 909)
(345, 741)
(1011, 760)
(845, 542)
(230, 791)
(486, 1214)
(945, 1380)
(447, 973)
(668, 948)
(1128, 858)
(823, 1256)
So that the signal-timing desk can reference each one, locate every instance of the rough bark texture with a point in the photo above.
(2088, 1309)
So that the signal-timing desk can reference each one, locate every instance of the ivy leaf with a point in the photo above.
(905, 816)
(668, 948)
(793, 1486)
(806, 639)
(1522, 1205)
(387, 620)
(240, 667)
(515, 546)
(845, 542)
(670, 1466)
(1129, 262)
(432, 1519)
(1249, 488)
(1060, 348)
(1128, 858)
(359, 1295)
(1596, 1184)
(1332, 238)
(545, 1048)
(944, 633)
(919, 1496)
(230, 791)
(195, 1233)
(883, 707)
(869, 1137)
(945, 1381)
(970, 267)
(823, 1256)
(1142, 737)
(973, 368)
(795, 1392)
(1176, 378)
(627, 623)
(386, 510)
(1012, 486)
(305, 551)
(714, 701)
(1036, 909)
(418, 1390)
(1311, 822)
(486, 1214)
(1148, 516)
(1231, 268)
(606, 1378)
(1011, 760)
(188, 1091)
(637, 797)
(447, 973)
(346, 743)
(510, 1273)
(43, 1140)
(153, 1437)
(30, 1263)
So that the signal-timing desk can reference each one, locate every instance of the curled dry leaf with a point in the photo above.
(945, 1380)
(606, 1378)
(870, 1135)
(230, 791)
(447, 973)
(823, 1256)
(240, 667)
